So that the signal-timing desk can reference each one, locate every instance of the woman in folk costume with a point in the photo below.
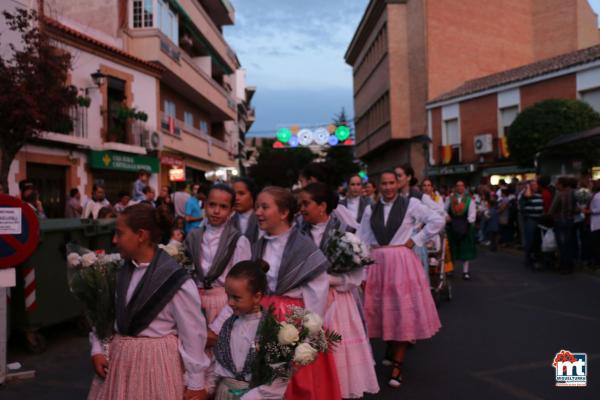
(235, 349)
(354, 201)
(244, 218)
(297, 276)
(398, 303)
(428, 189)
(214, 248)
(462, 214)
(353, 357)
(158, 350)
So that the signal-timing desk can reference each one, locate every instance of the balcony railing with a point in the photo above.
(450, 154)
(79, 117)
(176, 127)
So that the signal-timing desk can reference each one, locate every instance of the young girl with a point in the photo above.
(297, 276)
(398, 303)
(158, 350)
(215, 248)
(244, 217)
(353, 357)
(246, 285)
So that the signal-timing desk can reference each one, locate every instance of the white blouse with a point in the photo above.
(416, 215)
(180, 317)
(471, 212)
(208, 250)
(243, 337)
(353, 204)
(244, 217)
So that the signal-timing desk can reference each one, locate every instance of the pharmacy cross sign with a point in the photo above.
(19, 231)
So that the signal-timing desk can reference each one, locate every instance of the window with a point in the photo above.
(203, 127)
(170, 110)
(452, 132)
(143, 14)
(188, 118)
(507, 117)
(167, 21)
(117, 125)
(592, 97)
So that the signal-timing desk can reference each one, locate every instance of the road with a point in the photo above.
(498, 340)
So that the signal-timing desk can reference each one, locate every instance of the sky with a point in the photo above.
(293, 51)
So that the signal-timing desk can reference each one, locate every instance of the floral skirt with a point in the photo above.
(317, 381)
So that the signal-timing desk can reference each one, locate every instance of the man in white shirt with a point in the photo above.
(97, 202)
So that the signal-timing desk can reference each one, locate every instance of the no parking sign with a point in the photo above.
(19, 231)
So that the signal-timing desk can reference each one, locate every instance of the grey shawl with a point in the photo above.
(252, 229)
(301, 262)
(385, 232)
(159, 284)
(225, 250)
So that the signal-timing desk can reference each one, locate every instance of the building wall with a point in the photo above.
(83, 15)
(564, 87)
(477, 116)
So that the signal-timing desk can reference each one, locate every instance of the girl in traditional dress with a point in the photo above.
(353, 356)
(462, 214)
(398, 303)
(215, 247)
(428, 189)
(244, 217)
(297, 276)
(158, 350)
(235, 351)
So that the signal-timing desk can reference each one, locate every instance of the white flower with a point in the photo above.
(313, 323)
(288, 334)
(113, 257)
(356, 259)
(170, 249)
(305, 354)
(73, 260)
(88, 259)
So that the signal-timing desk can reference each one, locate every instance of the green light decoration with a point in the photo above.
(284, 135)
(342, 132)
(362, 174)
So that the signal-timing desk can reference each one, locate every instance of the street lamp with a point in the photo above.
(98, 78)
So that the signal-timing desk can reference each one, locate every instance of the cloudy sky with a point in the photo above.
(293, 51)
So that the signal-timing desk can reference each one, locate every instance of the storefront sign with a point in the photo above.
(172, 161)
(117, 161)
(451, 170)
(177, 175)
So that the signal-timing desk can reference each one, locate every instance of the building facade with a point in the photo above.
(160, 81)
(407, 52)
(468, 125)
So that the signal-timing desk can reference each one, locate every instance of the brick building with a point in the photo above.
(407, 52)
(467, 125)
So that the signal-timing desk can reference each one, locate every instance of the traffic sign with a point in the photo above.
(19, 231)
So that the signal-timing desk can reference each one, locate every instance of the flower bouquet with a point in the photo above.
(180, 254)
(346, 252)
(295, 342)
(92, 279)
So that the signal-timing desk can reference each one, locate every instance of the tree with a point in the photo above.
(34, 95)
(279, 167)
(537, 125)
(340, 159)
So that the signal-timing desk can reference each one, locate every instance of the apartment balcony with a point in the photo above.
(220, 11)
(71, 130)
(188, 76)
(450, 154)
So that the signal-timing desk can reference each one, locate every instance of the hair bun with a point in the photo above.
(264, 266)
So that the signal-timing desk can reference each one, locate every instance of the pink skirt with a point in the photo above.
(398, 302)
(213, 301)
(353, 356)
(141, 368)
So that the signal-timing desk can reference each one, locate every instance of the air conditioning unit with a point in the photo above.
(483, 144)
(151, 140)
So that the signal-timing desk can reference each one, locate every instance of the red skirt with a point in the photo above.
(317, 381)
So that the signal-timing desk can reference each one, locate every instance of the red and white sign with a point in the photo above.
(19, 231)
(174, 162)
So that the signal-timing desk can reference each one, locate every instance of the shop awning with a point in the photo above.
(451, 170)
(118, 161)
(507, 170)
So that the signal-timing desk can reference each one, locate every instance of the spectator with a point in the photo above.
(107, 212)
(124, 202)
(31, 197)
(194, 210)
(594, 212)
(179, 199)
(370, 191)
(544, 185)
(583, 197)
(179, 223)
(195, 189)
(140, 184)
(73, 208)
(149, 195)
(492, 225)
(506, 233)
(97, 202)
(532, 209)
(563, 210)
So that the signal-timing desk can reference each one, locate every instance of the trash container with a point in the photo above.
(105, 229)
(42, 297)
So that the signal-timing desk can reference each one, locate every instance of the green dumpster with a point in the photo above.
(41, 297)
(105, 229)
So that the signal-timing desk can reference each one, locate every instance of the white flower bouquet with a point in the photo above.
(179, 253)
(92, 279)
(295, 342)
(346, 252)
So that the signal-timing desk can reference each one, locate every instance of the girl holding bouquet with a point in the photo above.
(158, 350)
(215, 247)
(353, 357)
(398, 303)
(297, 276)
